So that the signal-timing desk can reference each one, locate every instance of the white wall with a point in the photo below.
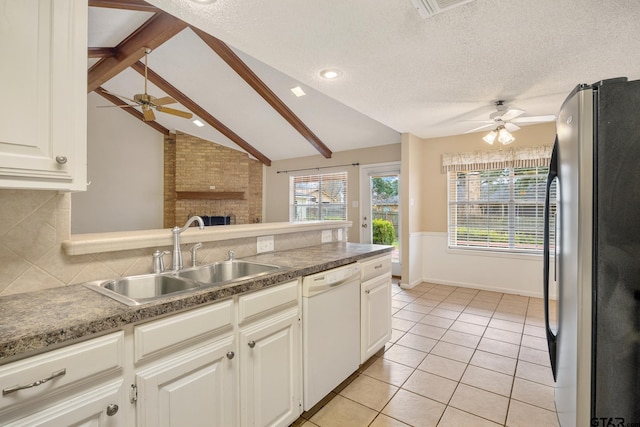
(126, 171)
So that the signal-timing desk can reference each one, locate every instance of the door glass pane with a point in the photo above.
(385, 213)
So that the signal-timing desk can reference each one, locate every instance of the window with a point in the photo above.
(499, 205)
(318, 197)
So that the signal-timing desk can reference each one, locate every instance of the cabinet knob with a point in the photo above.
(230, 354)
(112, 409)
(368, 291)
(251, 344)
(61, 160)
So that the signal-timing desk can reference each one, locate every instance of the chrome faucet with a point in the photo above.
(177, 253)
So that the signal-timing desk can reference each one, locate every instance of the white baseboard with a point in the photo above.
(483, 287)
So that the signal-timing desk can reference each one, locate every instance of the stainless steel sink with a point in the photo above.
(135, 290)
(225, 271)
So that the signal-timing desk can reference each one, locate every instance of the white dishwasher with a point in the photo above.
(331, 330)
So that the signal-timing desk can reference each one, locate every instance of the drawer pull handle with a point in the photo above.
(13, 389)
(378, 266)
(251, 344)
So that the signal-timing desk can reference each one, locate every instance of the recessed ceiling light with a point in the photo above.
(198, 123)
(297, 91)
(330, 73)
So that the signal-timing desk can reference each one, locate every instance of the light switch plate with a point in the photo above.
(326, 236)
(265, 244)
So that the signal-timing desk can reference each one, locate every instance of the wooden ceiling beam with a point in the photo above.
(230, 57)
(191, 105)
(157, 30)
(101, 52)
(138, 5)
(135, 113)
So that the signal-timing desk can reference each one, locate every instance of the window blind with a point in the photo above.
(318, 197)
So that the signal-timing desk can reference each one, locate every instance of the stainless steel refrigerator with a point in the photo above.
(595, 351)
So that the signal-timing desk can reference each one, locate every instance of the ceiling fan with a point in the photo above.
(504, 120)
(148, 103)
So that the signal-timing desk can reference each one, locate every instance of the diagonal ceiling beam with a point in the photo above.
(200, 112)
(135, 113)
(139, 5)
(101, 52)
(157, 30)
(230, 57)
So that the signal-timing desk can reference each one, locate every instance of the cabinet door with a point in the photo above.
(194, 389)
(271, 374)
(100, 407)
(375, 310)
(43, 81)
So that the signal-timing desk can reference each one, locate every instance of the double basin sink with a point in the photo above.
(136, 290)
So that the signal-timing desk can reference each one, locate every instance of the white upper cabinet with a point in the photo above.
(43, 82)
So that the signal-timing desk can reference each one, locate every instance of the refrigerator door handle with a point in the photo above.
(551, 338)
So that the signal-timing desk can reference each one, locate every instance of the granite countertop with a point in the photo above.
(33, 322)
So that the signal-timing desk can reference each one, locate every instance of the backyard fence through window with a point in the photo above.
(318, 197)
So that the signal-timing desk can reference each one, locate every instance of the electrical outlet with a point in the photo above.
(265, 244)
(339, 234)
(326, 236)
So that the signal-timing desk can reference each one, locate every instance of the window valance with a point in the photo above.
(522, 157)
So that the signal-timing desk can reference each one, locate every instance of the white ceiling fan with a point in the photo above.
(505, 120)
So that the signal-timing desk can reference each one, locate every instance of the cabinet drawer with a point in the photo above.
(155, 337)
(259, 302)
(66, 367)
(375, 267)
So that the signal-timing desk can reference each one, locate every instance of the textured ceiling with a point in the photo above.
(430, 77)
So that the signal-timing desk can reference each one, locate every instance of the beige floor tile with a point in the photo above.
(413, 409)
(461, 338)
(478, 311)
(369, 392)
(540, 357)
(418, 308)
(535, 321)
(512, 317)
(499, 347)
(494, 362)
(403, 297)
(401, 325)
(515, 299)
(428, 331)
(405, 355)
(398, 304)
(432, 386)
(480, 402)
(536, 331)
(533, 394)
(502, 335)
(471, 291)
(440, 322)
(480, 303)
(405, 314)
(486, 379)
(447, 314)
(417, 342)
(389, 371)
(444, 367)
(506, 325)
(534, 342)
(536, 373)
(451, 306)
(489, 296)
(340, 412)
(453, 351)
(524, 415)
(474, 318)
(459, 298)
(468, 328)
(453, 417)
(383, 420)
(396, 335)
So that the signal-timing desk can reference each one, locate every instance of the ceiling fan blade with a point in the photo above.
(164, 100)
(147, 114)
(119, 96)
(512, 114)
(173, 111)
(112, 106)
(511, 127)
(535, 119)
(483, 127)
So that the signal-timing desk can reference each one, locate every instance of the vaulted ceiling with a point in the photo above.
(400, 72)
(222, 87)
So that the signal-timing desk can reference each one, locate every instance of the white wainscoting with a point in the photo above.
(510, 273)
(416, 261)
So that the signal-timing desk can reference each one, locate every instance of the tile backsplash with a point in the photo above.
(33, 224)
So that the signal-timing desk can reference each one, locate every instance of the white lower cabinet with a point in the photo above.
(78, 385)
(375, 306)
(270, 370)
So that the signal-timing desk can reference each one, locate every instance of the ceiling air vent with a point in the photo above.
(427, 8)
